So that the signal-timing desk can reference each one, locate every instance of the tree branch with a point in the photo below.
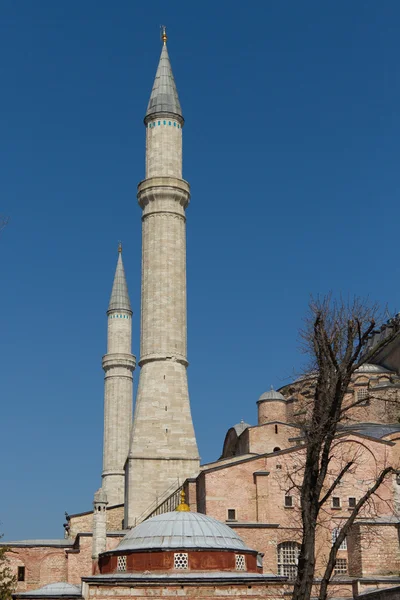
(335, 483)
(345, 529)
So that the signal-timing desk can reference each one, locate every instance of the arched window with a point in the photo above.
(288, 554)
(276, 449)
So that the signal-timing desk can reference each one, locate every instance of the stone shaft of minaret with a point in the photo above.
(163, 450)
(99, 541)
(118, 365)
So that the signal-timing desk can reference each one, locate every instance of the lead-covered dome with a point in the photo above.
(181, 530)
(271, 395)
(370, 368)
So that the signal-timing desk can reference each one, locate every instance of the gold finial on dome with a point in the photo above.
(164, 34)
(183, 507)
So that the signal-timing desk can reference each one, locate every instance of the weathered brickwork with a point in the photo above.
(83, 522)
(256, 489)
(381, 404)
(42, 565)
(206, 592)
(374, 550)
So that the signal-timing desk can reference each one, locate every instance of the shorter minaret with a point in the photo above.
(118, 364)
(99, 542)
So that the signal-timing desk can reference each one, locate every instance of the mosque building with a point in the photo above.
(161, 523)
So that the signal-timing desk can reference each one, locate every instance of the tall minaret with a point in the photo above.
(163, 448)
(118, 365)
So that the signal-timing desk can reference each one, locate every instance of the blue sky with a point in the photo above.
(291, 148)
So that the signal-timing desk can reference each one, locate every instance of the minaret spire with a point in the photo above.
(163, 450)
(164, 96)
(118, 365)
(119, 295)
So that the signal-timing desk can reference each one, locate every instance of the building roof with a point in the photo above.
(181, 530)
(164, 95)
(224, 577)
(61, 589)
(240, 427)
(50, 543)
(119, 295)
(370, 368)
(271, 395)
(374, 430)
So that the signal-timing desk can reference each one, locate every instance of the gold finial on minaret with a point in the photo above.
(119, 247)
(164, 34)
(183, 507)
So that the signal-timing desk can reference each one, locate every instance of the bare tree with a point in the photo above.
(335, 336)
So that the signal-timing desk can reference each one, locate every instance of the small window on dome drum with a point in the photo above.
(181, 560)
(121, 563)
(231, 514)
(240, 562)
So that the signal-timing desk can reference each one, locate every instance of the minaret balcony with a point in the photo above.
(169, 192)
(113, 361)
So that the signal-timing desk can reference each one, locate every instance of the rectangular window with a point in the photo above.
(362, 396)
(341, 566)
(288, 501)
(231, 514)
(352, 502)
(181, 560)
(335, 533)
(288, 554)
(121, 563)
(21, 574)
(335, 502)
(240, 562)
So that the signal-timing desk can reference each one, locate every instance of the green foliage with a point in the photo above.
(8, 580)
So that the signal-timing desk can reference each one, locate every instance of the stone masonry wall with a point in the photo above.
(206, 592)
(118, 365)
(376, 550)
(163, 148)
(256, 490)
(83, 523)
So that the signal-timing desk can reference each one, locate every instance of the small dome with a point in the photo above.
(100, 496)
(271, 395)
(181, 530)
(240, 427)
(370, 368)
(61, 588)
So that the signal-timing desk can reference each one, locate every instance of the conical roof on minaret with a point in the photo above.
(119, 296)
(164, 95)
